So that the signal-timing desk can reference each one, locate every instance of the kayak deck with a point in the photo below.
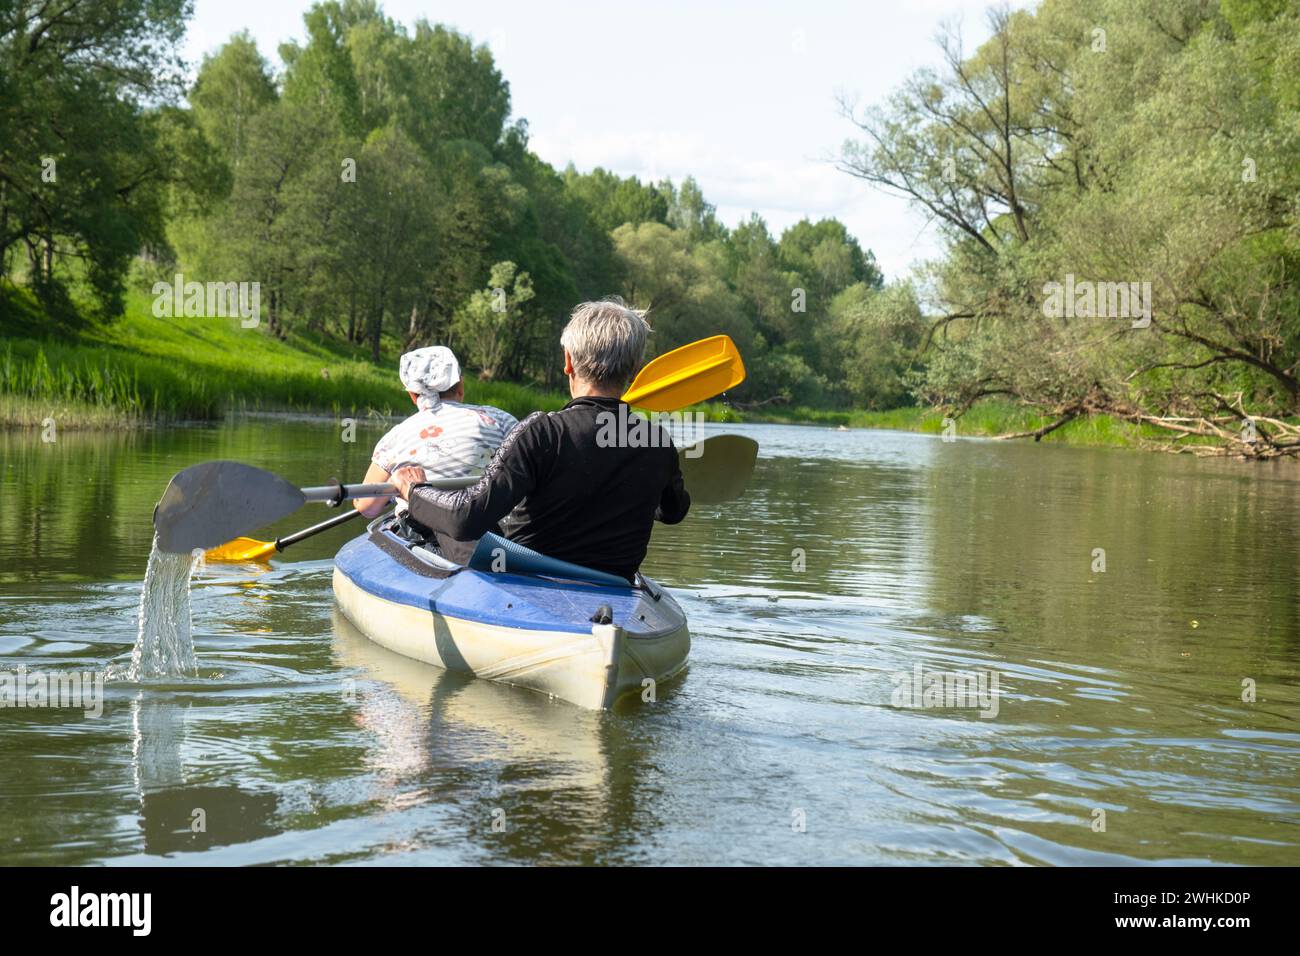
(529, 630)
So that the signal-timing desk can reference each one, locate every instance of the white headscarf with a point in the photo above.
(428, 372)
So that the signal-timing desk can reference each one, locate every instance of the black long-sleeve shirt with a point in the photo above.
(584, 484)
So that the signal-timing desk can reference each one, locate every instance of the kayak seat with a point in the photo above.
(434, 558)
(497, 554)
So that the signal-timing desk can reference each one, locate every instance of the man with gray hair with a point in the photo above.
(560, 490)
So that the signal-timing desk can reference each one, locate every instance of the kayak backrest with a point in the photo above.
(437, 560)
(497, 554)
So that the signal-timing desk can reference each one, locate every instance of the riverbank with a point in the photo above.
(143, 370)
(988, 419)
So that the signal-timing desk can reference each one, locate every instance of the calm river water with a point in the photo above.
(1121, 733)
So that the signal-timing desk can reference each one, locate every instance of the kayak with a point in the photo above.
(574, 633)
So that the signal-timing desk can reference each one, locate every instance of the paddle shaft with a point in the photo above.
(736, 467)
(288, 539)
(337, 493)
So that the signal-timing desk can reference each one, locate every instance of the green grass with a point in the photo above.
(149, 369)
(991, 418)
(987, 419)
(143, 369)
(19, 411)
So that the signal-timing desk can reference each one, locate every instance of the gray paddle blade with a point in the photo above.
(718, 468)
(208, 504)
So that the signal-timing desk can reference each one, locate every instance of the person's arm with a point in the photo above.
(371, 507)
(510, 477)
(675, 500)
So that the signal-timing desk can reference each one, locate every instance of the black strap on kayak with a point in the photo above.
(643, 584)
(340, 494)
(387, 542)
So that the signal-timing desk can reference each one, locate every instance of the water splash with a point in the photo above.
(164, 646)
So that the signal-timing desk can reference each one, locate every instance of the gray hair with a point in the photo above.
(606, 341)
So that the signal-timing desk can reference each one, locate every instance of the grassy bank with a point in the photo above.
(143, 369)
(987, 419)
(19, 411)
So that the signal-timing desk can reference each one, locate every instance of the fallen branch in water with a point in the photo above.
(1278, 439)
(1240, 434)
(1234, 432)
(1038, 433)
(751, 406)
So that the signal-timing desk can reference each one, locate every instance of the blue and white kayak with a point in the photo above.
(571, 632)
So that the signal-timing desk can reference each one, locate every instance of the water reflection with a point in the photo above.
(853, 557)
(523, 775)
(176, 816)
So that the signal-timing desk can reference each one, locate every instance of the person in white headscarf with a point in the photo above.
(445, 437)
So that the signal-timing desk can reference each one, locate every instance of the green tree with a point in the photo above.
(233, 86)
(459, 93)
(687, 296)
(612, 200)
(689, 211)
(320, 75)
(392, 225)
(492, 319)
(767, 288)
(878, 333)
(81, 175)
(1036, 153)
(828, 257)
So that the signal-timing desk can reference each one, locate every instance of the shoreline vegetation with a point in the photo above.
(371, 188)
(143, 371)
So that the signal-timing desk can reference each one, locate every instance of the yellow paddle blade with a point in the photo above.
(690, 374)
(241, 551)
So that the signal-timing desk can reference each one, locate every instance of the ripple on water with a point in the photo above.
(308, 743)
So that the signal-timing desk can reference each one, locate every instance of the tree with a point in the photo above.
(232, 87)
(768, 290)
(263, 228)
(492, 319)
(878, 332)
(391, 228)
(682, 288)
(612, 200)
(459, 94)
(688, 211)
(321, 74)
(80, 173)
(828, 257)
(1036, 155)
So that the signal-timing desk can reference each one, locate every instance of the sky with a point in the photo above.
(740, 95)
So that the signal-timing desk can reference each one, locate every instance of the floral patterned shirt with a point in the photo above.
(448, 441)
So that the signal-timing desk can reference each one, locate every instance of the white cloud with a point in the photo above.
(716, 91)
(781, 190)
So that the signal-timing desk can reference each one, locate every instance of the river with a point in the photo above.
(1146, 712)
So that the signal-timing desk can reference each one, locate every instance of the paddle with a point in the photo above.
(215, 501)
(717, 469)
(244, 550)
(688, 375)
